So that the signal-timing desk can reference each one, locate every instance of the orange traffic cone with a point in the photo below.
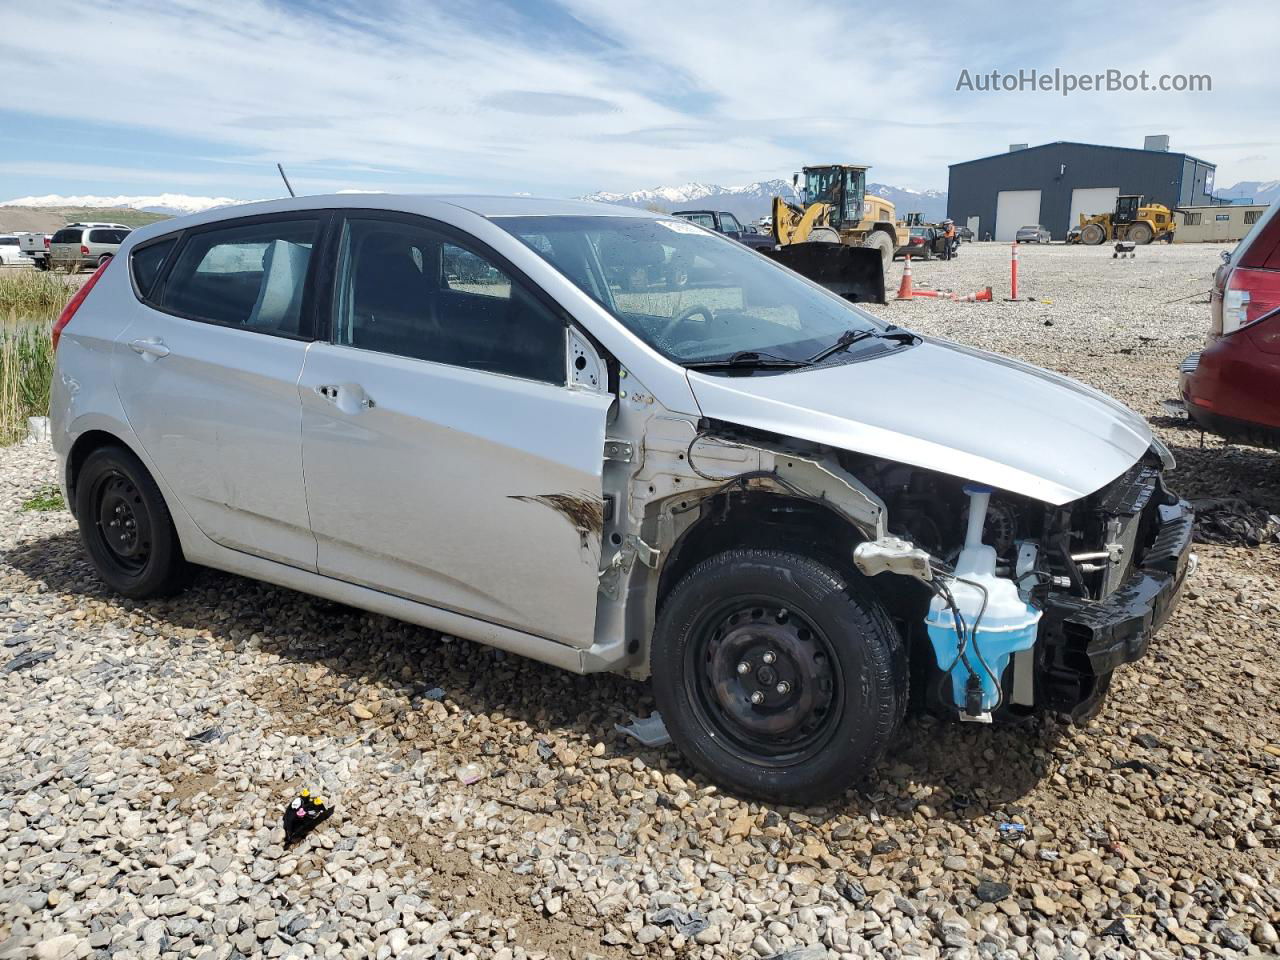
(904, 288)
(982, 296)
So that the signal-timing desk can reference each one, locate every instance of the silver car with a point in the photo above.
(612, 441)
(86, 244)
(1033, 234)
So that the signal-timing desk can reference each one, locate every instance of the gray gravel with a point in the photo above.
(145, 763)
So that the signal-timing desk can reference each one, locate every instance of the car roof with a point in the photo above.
(425, 204)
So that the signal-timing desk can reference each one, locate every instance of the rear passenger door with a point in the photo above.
(446, 459)
(208, 376)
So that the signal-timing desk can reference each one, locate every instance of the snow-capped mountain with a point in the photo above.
(175, 204)
(1262, 191)
(753, 201)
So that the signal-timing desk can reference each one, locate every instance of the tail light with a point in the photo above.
(1250, 295)
(84, 251)
(73, 305)
(46, 242)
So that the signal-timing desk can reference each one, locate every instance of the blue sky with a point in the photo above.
(563, 98)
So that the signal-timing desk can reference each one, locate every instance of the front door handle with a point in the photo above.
(351, 400)
(152, 348)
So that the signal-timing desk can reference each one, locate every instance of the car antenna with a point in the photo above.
(287, 185)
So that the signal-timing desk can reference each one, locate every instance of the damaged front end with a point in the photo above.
(1080, 588)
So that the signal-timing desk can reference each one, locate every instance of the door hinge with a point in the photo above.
(620, 450)
(632, 549)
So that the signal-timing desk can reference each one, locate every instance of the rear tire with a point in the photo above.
(828, 667)
(104, 259)
(126, 527)
(879, 240)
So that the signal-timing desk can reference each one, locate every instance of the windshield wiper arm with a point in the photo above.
(850, 337)
(746, 359)
(843, 342)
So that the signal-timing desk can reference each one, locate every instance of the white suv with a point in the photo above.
(86, 244)
(612, 440)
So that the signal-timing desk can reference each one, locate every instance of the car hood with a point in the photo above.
(949, 408)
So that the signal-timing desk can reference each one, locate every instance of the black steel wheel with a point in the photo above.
(764, 678)
(777, 676)
(122, 526)
(125, 525)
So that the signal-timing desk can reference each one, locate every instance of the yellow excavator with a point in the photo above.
(837, 235)
(1132, 220)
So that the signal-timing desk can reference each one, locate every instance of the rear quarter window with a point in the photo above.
(147, 262)
(67, 236)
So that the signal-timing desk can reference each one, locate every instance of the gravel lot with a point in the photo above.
(145, 763)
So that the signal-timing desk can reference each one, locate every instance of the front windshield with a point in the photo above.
(692, 295)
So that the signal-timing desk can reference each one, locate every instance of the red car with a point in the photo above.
(1232, 387)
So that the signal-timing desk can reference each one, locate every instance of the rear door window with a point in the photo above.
(702, 220)
(245, 275)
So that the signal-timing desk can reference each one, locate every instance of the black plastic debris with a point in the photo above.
(1116, 928)
(303, 814)
(16, 640)
(687, 922)
(1148, 741)
(1231, 520)
(27, 658)
(648, 731)
(206, 736)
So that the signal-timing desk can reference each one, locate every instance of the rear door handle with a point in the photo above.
(152, 348)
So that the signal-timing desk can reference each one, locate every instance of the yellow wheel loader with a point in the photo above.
(1131, 221)
(837, 233)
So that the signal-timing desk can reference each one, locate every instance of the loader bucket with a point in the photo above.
(855, 273)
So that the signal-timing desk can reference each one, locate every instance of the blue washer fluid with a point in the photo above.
(1008, 624)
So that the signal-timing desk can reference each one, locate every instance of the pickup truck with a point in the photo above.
(35, 246)
(723, 222)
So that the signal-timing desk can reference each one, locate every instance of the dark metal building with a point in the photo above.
(1054, 183)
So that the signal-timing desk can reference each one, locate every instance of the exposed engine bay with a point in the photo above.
(1064, 583)
(1008, 605)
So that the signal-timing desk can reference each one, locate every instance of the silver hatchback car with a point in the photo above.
(614, 441)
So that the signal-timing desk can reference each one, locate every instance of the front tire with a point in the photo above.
(879, 240)
(1092, 234)
(777, 676)
(126, 527)
(1139, 233)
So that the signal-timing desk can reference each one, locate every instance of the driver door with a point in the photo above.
(445, 458)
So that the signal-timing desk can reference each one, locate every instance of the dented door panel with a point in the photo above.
(468, 490)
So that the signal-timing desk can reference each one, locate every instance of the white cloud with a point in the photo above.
(411, 96)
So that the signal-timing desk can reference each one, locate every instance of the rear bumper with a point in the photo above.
(1246, 431)
(1232, 388)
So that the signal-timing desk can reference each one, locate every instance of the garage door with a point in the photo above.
(1091, 200)
(1014, 209)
